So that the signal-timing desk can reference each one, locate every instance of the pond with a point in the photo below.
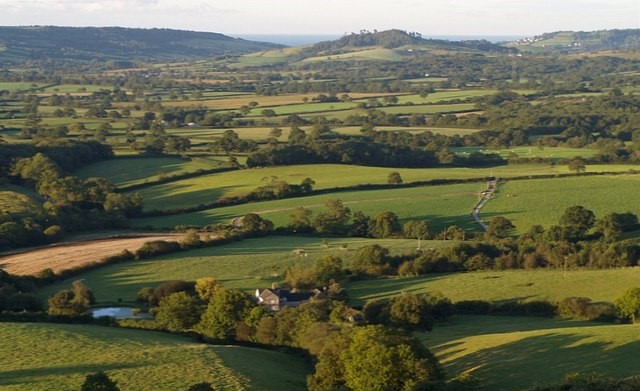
(119, 313)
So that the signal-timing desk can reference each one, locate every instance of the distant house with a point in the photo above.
(277, 298)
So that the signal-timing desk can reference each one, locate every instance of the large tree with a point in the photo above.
(628, 305)
(384, 225)
(226, 308)
(334, 219)
(500, 227)
(578, 220)
(178, 311)
(378, 359)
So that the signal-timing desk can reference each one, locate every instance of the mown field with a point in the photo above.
(247, 265)
(58, 357)
(441, 206)
(536, 284)
(513, 353)
(542, 201)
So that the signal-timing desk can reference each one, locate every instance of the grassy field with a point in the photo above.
(120, 172)
(379, 54)
(306, 108)
(542, 201)
(58, 357)
(443, 95)
(355, 130)
(208, 188)
(512, 353)
(553, 153)
(235, 102)
(538, 284)
(429, 109)
(247, 265)
(441, 206)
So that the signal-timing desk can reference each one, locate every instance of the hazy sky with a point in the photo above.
(429, 17)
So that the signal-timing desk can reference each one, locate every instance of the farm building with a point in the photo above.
(277, 298)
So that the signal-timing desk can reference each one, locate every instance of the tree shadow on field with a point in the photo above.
(26, 376)
(170, 196)
(364, 290)
(544, 359)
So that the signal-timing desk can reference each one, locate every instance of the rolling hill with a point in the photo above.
(399, 41)
(119, 44)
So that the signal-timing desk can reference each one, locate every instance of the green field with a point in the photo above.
(42, 356)
(121, 172)
(208, 188)
(443, 95)
(355, 130)
(429, 109)
(247, 265)
(542, 201)
(441, 206)
(537, 284)
(379, 54)
(306, 108)
(529, 152)
(512, 353)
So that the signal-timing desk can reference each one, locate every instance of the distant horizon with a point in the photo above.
(306, 39)
(331, 17)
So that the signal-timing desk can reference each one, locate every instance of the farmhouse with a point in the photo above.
(278, 298)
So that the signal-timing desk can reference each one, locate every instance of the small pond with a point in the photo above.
(119, 313)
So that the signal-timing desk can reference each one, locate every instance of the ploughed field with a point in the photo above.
(70, 255)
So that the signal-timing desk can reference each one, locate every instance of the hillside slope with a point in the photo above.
(116, 43)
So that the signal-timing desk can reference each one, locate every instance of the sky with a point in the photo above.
(315, 17)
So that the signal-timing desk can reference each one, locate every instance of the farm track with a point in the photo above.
(491, 188)
(68, 255)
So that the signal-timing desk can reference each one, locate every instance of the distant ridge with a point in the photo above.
(581, 41)
(399, 41)
(117, 43)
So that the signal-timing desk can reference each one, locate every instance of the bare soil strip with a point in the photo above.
(63, 256)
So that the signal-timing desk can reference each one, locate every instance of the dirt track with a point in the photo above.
(68, 255)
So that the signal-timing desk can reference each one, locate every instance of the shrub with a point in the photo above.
(157, 247)
(165, 289)
(474, 307)
(573, 307)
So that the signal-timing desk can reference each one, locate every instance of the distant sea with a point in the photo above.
(297, 40)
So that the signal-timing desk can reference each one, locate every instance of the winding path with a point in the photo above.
(485, 197)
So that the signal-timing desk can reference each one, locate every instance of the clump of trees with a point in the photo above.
(18, 293)
(71, 204)
(628, 305)
(71, 302)
(276, 188)
(374, 358)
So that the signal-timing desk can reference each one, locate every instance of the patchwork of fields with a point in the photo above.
(205, 99)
